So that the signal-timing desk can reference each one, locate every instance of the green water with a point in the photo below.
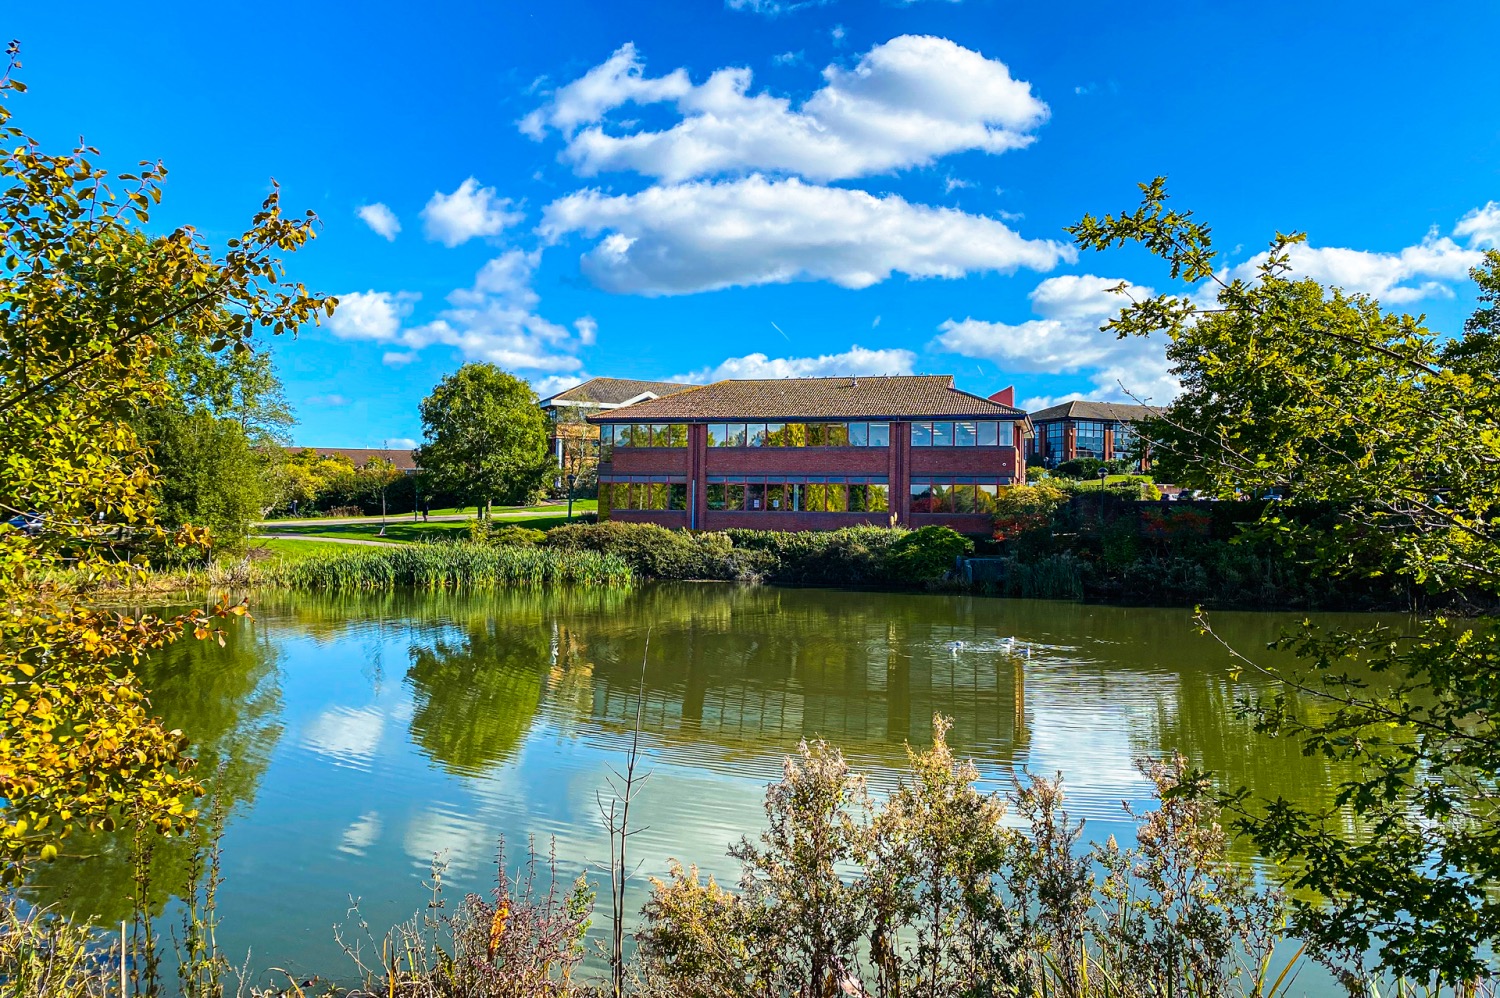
(359, 736)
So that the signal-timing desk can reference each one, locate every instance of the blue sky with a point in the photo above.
(740, 188)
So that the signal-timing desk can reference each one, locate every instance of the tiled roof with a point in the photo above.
(401, 458)
(614, 391)
(897, 397)
(1104, 411)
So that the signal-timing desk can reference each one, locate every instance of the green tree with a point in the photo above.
(486, 438)
(86, 312)
(1393, 435)
(207, 474)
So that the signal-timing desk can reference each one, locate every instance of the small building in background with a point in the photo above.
(812, 454)
(1108, 431)
(571, 439)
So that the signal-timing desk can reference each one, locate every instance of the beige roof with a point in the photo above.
(1103, 411)
(361, 456)
(615, 391)
(894, 397)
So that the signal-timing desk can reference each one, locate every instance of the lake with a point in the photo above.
(360, 735)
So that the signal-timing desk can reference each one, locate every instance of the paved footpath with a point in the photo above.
(561, 510)
(325, 540)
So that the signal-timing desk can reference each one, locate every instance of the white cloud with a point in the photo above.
(380, 219)
(905, 103)
(400, 443)
(1481, 227)
(1066, 339)
(470, 211)
(371, 315)
(550, 384)
(361, 834)
(328, 400)
(1424, 270)
(703, 236)
(856, 361)
(492, 320)
(772, 8)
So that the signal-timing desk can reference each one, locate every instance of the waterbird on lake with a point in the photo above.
(955, 646)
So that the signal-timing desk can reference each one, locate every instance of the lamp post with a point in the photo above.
(1103, 476)
(571, 480)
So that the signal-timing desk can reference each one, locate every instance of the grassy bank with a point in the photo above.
(407, 532)
(457, 566)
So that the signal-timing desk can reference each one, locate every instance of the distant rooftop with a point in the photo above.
(400, 457)
(611, 392)
(1102, 411)
(887, 397)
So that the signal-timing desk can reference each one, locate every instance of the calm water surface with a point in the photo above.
(362, 735)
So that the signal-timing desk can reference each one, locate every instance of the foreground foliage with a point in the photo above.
(1395, 432)
(86, 310)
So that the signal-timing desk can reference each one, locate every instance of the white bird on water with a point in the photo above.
(955, 646)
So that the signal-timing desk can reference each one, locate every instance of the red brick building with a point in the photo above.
(812, 454)
(567, 411)
(1103, 430)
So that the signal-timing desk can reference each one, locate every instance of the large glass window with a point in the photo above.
(942, 434)
(677, 435)
(734, 496)
(755, 435)
(715, 493)
(606, 443)
(775, 496)
(921, 498)
(1053, 434)
(859, 434)
(986, 498)
(677, 496)
(989, 433)
(1125, 441)
(776, 435)
(835, 435)
(755, 496)
(868, 498)
(716, 434)
(921, 434)
(734, 435)
(961, 498)
(965, 433)
(1089, 441)
(880, 435)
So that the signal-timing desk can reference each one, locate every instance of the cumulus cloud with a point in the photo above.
(371, 315)
(856, 361)
(1065, 339)
(494, 320)
(1481, 227)
(401, 443)
(551, 384)
(468, 212)
(707, 235)
(381, 220)
(1424, 270)
(906, 103)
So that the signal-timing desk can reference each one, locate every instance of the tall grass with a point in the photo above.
(458, 566)
(1057, 576)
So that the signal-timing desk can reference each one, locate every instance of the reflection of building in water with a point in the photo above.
(877, 698)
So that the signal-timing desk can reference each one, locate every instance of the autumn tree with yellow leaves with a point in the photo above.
(87, 310)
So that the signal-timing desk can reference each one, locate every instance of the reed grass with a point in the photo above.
(462, 566)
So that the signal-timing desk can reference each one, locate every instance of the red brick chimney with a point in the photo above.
(1005, 396)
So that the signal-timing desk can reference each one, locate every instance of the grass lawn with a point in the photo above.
(287, 550)
(404, 531)
(1093, 483)
(579, 506)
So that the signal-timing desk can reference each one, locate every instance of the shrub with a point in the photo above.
(945, 897)
(1079, 467)
(925, 555)
(652, 550)
(850, 556)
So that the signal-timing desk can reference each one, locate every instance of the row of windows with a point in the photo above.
(954, 497)
(1088, 439)
(836, 496)
(959, 433)
(931, 433)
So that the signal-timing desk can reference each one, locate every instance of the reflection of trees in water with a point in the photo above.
(228, 702)
(475, 697)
